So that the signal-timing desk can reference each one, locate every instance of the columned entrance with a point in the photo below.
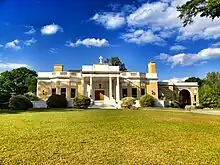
(99, 95)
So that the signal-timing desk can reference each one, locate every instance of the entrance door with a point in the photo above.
(99, 95)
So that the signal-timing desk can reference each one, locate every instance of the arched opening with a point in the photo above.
(184, 98)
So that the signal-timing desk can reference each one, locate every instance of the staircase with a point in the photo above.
(103, 105)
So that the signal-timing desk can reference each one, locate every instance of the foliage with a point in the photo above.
(209, 92)
(4, 100)
(31, 96)
(115, 61)
(128, 102)
(19, 102)
(147, 101)
(57, 101)
(204, 8)
(18, 81)
(81, 102)
(195, 79)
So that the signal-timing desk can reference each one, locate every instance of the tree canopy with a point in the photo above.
(18, 81)
(115, 61)
(195, 79)
(204, 8)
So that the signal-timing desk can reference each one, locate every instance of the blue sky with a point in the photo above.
(41, 33)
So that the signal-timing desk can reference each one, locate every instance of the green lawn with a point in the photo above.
(109, 137)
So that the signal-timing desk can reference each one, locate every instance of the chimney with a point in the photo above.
(152, 67)
(58, 68)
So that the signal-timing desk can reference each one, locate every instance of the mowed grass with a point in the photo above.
(109, 137)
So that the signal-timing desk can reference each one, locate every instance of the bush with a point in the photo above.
(57, 101)
(200, 107)
(31, 96)
(175, 104)
(4, 100)
(81, 102)
(19, 102)
(190, 107)
(147, 101)
(128, 102)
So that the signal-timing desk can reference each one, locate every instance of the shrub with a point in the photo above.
(175, 104)
(200, 107)
(19, 102)
(81, 102)
(31, 96)
(147, 101)
(57, 101)
(128, 102)
(4, 100)
(190, 107)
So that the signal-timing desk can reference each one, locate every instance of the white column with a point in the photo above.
(117, 90)
(83, 86)
(110, 88)
(90, 90)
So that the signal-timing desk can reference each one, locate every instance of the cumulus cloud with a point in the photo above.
(10, 66)
(177, 48)
(30, 31)
(13, 45)
(176, 79)
(217, 44)
(88, 42)
(109, 20)
(51, 29)
(142, 37)
(184, 59)
(30, 42)
(1, 45)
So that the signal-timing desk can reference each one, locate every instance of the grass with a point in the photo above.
(109, 137)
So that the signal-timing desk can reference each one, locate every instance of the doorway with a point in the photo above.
(99, 95)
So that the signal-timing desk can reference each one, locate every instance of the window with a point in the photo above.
(63, 91)
(53, 91)
(73, 92)
(100, 86)
(142, 91)
(124, 92)
(195, 98)
(134, 92)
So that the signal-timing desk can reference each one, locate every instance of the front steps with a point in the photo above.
(103, 105)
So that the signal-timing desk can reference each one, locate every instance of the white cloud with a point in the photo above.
(53, 50)
(176, 79)
(184, 59)
(51, 29)
(109, 20)
(177, 48)
(142, 37)
(10, 66)
(13, 45)
(1, 45)
(89, 42)
(30, 31)
(30, 42)
(217, 44)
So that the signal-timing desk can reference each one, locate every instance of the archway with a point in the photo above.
(184, 98)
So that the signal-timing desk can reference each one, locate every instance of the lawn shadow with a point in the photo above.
(10, 111)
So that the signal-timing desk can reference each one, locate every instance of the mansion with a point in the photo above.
(106, 84)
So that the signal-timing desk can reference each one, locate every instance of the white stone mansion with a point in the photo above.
(104, 83)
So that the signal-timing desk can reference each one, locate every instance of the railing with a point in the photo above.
(58, 74)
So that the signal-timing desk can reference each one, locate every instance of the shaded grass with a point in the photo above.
(109, 137)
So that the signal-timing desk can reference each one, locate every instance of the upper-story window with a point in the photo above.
(63, 73)
(133, 74)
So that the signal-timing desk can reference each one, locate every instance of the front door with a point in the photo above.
(99, 95)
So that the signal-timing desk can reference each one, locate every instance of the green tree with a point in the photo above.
(204, 8)
(115, 61)
(18, 81)
(209, 92)
(195, 79)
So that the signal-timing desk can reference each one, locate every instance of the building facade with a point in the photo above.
(105, 83)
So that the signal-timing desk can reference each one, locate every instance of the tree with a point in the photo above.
(204, 8)
(115, 61)
(209, 92)
(18, 81)
(195, 79)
